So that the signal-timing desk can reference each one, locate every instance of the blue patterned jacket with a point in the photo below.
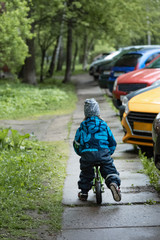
(94, 135)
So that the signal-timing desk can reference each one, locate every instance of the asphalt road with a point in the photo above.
(132, 218)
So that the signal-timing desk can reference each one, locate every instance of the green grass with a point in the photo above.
(22, 100)
(151, 171)
(32, 173)
(31, 184)
(78, 70)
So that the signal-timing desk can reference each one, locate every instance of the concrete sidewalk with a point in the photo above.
(129, 219)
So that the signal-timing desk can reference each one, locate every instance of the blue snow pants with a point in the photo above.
(107, 169)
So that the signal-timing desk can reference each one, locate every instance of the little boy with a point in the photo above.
(94, 142)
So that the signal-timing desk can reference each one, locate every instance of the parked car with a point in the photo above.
(96, 61)
(101, 56)
(103, 69)
(135, 80)
(94, 68)
(131, 61)
(127, 97)
(156, 141)
(138, 118)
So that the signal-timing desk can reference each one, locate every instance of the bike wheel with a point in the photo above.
(98, 192)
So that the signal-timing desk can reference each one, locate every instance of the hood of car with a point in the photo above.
(146, 102)
(141, 75)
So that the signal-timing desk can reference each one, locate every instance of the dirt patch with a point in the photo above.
(50, 128)
(43, 232)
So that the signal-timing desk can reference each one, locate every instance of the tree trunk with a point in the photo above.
(52, 64)
(85, 53)
(75, 56)
(29, 68)
(42, 64)
(69, 53)
(60, 58)
(29, 71)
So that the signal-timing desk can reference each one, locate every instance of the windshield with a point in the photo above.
(154, 64)
(128, 60)
(112, 55)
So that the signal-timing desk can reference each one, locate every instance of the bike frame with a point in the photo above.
(98, 177)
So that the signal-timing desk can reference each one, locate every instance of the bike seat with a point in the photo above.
(96, 164)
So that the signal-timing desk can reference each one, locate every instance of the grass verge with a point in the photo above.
(32, 175)
(150, 170)
(31, 184)
(19, 100)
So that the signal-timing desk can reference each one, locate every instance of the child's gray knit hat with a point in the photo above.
(91, 108)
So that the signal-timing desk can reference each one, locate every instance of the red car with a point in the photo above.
(135, 80)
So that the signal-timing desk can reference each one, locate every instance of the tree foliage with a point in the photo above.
(77, 24)
(14, 28)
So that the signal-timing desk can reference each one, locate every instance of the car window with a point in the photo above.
(151, 57)
(154, 64)
(105, 66)
(128, 60)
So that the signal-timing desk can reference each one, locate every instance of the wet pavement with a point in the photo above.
(131, 219)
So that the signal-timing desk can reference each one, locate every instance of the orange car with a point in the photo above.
(138, 118)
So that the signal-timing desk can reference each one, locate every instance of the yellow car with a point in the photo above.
(139, 115)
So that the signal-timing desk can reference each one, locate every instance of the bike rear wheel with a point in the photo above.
(98, 192)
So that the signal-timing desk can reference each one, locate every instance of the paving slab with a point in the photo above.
(111, 216)
(132, 233)
(111, 222)
(136, 217)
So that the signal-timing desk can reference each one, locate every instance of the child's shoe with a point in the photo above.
(83, 196)
(116, 192)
